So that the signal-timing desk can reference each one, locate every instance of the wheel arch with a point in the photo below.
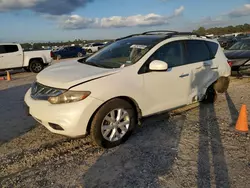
(130, 100)
(36, 59)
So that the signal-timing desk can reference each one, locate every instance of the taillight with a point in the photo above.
(51, 54)
(230, 63)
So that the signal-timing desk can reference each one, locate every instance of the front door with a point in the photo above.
(168, 89)
(10, 57)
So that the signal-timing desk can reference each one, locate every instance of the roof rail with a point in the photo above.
(159, 31)
(184, 33)
(168, 34)
(127, 36)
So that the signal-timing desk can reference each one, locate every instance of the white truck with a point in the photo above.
(12, 56)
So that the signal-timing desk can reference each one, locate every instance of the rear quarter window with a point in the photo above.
(2, 49)
(213, 47)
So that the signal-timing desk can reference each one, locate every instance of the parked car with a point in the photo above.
(226, 42)
(241, 36)
(109, 92)
(12, 56)
(68, 52)
(105, 44)
(239, 57)
(93, 47)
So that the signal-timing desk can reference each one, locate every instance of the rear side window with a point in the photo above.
(197, 51)
(2, 49)
(213, 48)
(97, 44)
(10, 48)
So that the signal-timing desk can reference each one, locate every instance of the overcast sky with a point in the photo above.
(53, 20)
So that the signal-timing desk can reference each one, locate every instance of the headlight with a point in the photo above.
(69, 96)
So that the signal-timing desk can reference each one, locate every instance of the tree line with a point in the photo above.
(223, 30)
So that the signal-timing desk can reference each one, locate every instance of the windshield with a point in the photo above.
(123, 52)
(241, 45)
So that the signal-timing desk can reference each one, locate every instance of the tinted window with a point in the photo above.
(213, 48)
(2, 50)
(197, 51)
(8, 48)
(172, 53)
(97, 44)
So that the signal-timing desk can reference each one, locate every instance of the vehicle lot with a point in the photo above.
(195, 148)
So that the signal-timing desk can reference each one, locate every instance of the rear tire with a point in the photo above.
(210, 96)
(58, 57)
(102, 130)
(36, 66)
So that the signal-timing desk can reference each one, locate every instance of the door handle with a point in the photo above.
(183, 75)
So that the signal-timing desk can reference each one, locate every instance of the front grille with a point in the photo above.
(42, 92)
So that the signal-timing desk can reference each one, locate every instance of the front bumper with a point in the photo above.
(72, 118)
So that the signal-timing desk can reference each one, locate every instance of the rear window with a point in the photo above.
(197, 51)
(213, 48)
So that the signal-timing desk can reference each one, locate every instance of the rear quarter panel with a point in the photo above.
(43, 54)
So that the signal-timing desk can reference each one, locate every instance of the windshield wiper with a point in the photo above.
(95, 64)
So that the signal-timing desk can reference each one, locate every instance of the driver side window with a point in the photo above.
(171, 53)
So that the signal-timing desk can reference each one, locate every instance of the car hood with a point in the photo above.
(237, 54)
(67, 74)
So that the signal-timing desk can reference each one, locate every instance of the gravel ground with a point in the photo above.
(195, 148)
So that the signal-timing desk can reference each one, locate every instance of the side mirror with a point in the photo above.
(158, 65)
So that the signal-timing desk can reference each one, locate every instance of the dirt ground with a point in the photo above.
(196, 148)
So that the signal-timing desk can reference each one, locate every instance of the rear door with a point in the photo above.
(11, 56)
(200, 56)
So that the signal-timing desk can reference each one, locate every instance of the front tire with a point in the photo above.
(90, 51)
(113, 123)
(36, 66)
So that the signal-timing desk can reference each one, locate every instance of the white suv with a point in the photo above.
(108, 93)
(93, 47)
